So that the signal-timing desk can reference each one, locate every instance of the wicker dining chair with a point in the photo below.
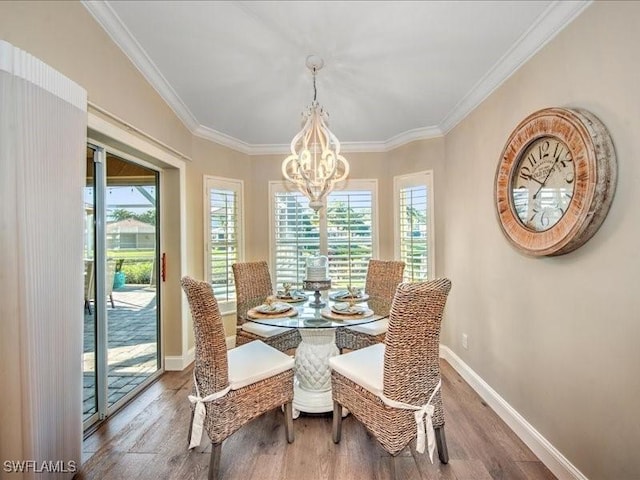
(231, 387)
(253, 286)
(383, 276)
(385, 384)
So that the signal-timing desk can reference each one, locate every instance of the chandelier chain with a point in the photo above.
(315, 91)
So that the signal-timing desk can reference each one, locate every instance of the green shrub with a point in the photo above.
(137, 273)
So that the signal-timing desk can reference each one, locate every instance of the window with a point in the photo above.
(223, 236)
(344, 231)
(414, 224)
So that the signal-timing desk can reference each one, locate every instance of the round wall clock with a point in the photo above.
(555, 181)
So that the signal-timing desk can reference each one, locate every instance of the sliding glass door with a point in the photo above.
(121, 308)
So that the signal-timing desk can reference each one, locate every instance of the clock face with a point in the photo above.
(542, 184)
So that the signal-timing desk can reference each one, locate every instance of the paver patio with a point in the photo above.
(132, 335)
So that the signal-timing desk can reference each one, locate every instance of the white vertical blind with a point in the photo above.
(414, 242)
(42, 165)
(223, 235)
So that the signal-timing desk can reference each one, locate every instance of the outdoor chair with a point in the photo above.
(394, 388)
(89, 282)
(231, 388)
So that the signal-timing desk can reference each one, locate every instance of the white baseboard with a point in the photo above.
(544, 450)
(179, 363)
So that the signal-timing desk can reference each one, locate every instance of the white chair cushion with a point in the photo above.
(374, 328)
(255, 361)
(365, 367)
(261, 330)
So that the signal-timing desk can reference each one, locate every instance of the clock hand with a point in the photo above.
(535, 195)
(530, 177)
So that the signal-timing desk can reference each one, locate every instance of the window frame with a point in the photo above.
(422, 178)
(212, 182)
(280, 186)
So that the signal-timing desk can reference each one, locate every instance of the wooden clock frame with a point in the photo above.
(595, 180)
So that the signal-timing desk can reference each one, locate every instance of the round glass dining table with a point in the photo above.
(317, 327)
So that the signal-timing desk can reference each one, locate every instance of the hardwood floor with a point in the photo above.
(148, 440)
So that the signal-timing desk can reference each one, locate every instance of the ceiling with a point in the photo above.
(234, 72)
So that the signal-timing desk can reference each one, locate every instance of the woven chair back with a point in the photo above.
(211, 367)
(383, 277)
(411, 360)
(253, 285)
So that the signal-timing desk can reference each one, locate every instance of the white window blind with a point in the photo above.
(223, 237)
(344, 231)
(296, 235)
(414, 238)
(349, 236)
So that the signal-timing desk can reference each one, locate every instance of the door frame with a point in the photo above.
(108, 129)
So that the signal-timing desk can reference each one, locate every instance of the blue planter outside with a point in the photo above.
(118, 280)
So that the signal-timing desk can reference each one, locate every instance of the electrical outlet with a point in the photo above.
(465, 341)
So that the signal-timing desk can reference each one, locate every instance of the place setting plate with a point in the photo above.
(275, 309)
(292, 297)
(346, 311)
(345, 295)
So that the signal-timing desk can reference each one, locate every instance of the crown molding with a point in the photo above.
(223, 139)
(110, 22)
(345, 147)
(409, 136)
(359, 147)
(269, 149)
(555, 17)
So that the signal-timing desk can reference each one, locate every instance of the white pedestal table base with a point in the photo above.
(312, 384)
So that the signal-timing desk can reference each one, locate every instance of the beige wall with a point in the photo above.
(556, 337)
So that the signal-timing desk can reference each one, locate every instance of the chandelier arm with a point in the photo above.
(306, 178)
(345, 174)
(300, 134)
(301, 171)
(326, 189)
(334, 140)
(310, 193)
(285, 166)
(334, 167)
(325, 138)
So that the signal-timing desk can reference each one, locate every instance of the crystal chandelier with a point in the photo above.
(315, 163)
